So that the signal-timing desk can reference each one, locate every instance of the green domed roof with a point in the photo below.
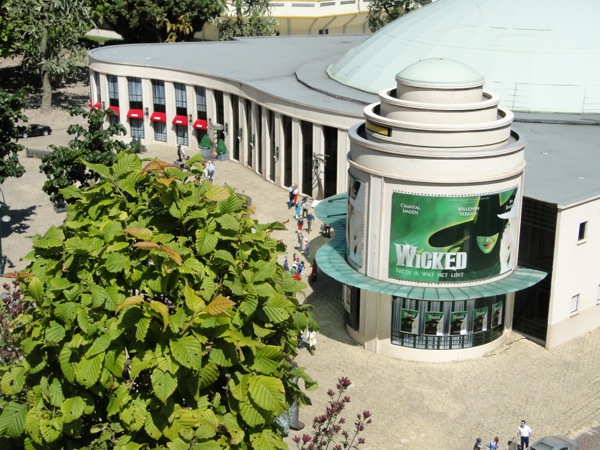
(537, 55)
(440, 71)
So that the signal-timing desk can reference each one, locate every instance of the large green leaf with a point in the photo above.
(229, 222)
(67, 311)
(163, 384)
(267, 440)
(126, 164)
(251, 415)
(187, 351)
(100, 169)
(114, 361)
(111, 229)
(264, 270)
(87, 371)
(208, 425)
(134, 414)
(53, 238)
(117, 262)
(36, 289)
(205, 242)
(72, 408)
(224, 255)
(266, 359)
(117, 400)
(278, 309)
(55, 333)
(55, 393)
(13, 380)
(268, 393)
(193, 301)
(151, 427)
(192, 265)
(66, 364)
(162, 310)
(234, 429)
(50, 429)
(12, 420)
(99, 345)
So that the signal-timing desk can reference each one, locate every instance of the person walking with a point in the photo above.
(180, 153)
(305, 207)
(313, 272)
(286, 265)
(495, 444)
(300, 223)
(305, 248)
(477, 445)
(524, 432)
(210, 167)
(290, 196)
(309, 221)
(298, 211)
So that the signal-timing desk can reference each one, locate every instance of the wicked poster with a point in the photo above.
(452, 239)
(409, 321)
(355, 227)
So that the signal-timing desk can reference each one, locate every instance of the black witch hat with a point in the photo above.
(490, 220)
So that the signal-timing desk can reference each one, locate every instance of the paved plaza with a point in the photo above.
(414, 405)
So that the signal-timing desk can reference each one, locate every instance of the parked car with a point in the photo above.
(35, 130)
(555, 442)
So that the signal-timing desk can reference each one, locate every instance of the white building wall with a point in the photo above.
(577, 263)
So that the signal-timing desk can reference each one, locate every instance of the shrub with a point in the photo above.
(162, 319)
(328, 430)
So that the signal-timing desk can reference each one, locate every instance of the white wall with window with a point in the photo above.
(576, 259)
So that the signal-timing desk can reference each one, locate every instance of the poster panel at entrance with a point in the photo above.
(453, 239)
(355, 227)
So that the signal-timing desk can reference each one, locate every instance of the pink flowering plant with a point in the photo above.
(328, 431)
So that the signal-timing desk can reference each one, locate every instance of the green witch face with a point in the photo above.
(487, 243)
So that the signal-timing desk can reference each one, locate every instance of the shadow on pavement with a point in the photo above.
(19, 221)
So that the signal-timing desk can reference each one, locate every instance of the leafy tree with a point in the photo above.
(65, 165)
(382, 12)
(11, 107)
(162, 319)
(250, 18)
(157, 21)
(46, 33)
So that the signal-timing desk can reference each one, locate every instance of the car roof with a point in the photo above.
(555, 442)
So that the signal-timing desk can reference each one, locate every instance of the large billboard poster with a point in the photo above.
(355, 227)
(453, 239)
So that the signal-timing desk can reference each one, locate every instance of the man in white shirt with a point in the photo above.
(524, 432)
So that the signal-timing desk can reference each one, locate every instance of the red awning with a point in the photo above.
(201, 124)
(180, 120)
(158, 117)
(135, 114)
(115, 109)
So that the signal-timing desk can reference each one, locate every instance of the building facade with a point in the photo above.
(310, 17)
(287, 106)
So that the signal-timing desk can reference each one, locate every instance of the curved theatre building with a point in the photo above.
(430, 234)
(419, 169)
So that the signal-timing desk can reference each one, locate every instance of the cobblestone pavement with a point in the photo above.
(414, 405)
